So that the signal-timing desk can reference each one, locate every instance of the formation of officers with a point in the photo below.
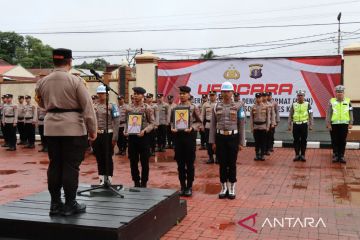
(69, 120)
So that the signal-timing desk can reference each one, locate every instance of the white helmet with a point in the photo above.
(101, 89)
(227, 86)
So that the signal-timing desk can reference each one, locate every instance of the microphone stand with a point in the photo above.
(107, 184)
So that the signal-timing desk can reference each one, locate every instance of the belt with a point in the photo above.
(20, 119)
(28, 118)
(340, 122)
(61, 110)
(301, 122)
(9, 116)
(222, 132)
(40, 119)
(122, 122)
(103, 131)
(259, 123)
(207, 120)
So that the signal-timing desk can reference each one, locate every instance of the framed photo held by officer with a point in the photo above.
(181, 118)
(134, 123)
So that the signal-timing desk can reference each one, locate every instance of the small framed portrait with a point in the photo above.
(181, 115)
(134, 123)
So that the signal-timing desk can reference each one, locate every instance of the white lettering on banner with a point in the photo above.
(249, 89)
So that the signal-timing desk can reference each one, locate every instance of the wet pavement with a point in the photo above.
(271, 195)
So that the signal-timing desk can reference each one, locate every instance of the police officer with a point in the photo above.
(185, 142)
(40, 122)
(236, 97)
(164, 119)
(227, 132)
(170, 135)
(21, 120)
(276, 118)
(271, 110)
(122, 139)
(106, 137)
(139, 144)
(203, 142)
(10, 115)
(70, 117)
(206, 114)
(260, 123)
(2, 103)
(30, 116)
(300, 119)
(152, 135)
(339, 119)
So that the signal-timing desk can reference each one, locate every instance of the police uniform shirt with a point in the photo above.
(21, 112)
(148, 120)
(155, 110)
(10, 113)
(276, 110)
(271, 110)
(41, 115)
(194, 116)
(226, 117)
(62, 90)
(260, 117)
(309, 110)
(206, 113)
(30, 111)
(113, 123)
(164, 113)
(329, 113)
(122, 113)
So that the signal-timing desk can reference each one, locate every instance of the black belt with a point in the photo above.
(9, 116)
(62, 110)
(207, 120)
(40, 119)
(21, 119)
(259, 123)
(122, 122)
(28, 118)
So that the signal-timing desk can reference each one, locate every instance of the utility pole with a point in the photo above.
(339, 31)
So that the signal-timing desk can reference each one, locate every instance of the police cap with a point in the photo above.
(236, 94)
(258, 95)
(269, 93)
(159, 95)
(185, 89)
(139, 90)
(339, 88)
(20, 97)
(9, 95)
(204, 96)
(149, 95)
(120, 97)
(27, 97)
(62, 53)
(170, 97)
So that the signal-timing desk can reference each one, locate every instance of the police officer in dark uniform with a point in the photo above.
(10, 115)
(70, 117)
(170, 135)
(185, 142)
(21, 120)
(122, 139)
(139, 144)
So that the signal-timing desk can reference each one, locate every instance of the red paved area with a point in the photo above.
(276, 188)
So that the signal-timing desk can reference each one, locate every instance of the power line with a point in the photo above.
(185, 29)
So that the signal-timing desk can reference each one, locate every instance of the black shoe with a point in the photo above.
(11, 149)
(5, 145)
(210, 161)
(302, 158)
(30, 146)
(296, 158)
(261, 158)
(182, 191)
(22, 143)
(56, 208)
(73, 208)
(188, 192)
(342, 160)
(143, 184)
(271, 150)
(257, 157)
(267, 153)
(137, 184)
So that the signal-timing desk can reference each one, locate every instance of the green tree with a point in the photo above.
(208, 55)
(9, 42)
(98, 64)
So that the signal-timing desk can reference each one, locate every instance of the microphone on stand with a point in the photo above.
(95, 73)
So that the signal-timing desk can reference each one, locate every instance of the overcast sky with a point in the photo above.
(93, 15)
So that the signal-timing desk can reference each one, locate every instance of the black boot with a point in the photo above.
(210, 161)
(335, 158)
(182, 189)
(56, 207)
(143, 184)
(342, 159)
(73, 207)
(137, 184)
(296, 158)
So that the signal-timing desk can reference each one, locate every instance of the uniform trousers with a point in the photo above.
(260, 141)
(42, 137)
(29, 133)
(339, 133)
(208, 146)
(103, 152)
(10, 133)
(22, 132)
(122, 140)
(227, 148)
(300, 134)
(161, 136)
(170, 136)
(185, 148)
(139, 149)
(65, 154)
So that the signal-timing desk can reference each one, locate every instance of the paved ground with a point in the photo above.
(275, 189)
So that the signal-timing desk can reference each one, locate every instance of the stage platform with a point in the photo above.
(143, 213)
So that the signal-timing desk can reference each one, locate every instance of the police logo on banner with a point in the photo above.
(255, 70)
(231, 73)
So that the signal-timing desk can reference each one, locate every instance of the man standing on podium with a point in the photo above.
(70, 116)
